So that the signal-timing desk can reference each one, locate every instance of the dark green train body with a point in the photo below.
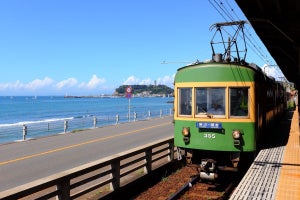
(222, 111)
(216, 139)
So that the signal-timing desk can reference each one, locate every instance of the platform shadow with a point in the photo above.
(278, 135)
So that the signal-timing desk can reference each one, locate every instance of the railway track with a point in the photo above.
(195, 189)
(185, 184)
(184, 188)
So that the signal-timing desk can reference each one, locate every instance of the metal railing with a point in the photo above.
(35, 130)
(111, 173)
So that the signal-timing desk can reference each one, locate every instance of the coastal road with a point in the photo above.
(23, 162)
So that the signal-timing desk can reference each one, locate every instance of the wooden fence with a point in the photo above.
(108, 174)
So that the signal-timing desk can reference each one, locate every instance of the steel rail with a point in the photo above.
(184, 188)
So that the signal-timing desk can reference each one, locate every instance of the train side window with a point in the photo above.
(239, 102)
(185, 101)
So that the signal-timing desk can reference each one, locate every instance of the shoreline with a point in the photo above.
(114, 96)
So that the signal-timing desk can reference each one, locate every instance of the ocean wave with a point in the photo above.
(35, 122)
(83, 116)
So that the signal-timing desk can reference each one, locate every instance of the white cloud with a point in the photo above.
(70, 82)
(9, 86)
(38, 83)
(166, 80)
(147, 81)
(93, 83)
(131, 80)
(273, 70)
(33, 85)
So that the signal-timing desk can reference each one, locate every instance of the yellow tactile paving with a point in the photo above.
(289, 180)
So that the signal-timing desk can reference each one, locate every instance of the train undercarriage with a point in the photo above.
(211, 164)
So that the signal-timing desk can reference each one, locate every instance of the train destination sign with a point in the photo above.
(216, 125)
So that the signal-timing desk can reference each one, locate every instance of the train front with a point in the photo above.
(214, 115)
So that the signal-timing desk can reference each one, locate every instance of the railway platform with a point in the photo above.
(275, 172)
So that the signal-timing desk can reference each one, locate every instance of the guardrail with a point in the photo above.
(38, 129)
(110, 174)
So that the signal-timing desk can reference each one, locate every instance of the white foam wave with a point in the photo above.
(35, 122)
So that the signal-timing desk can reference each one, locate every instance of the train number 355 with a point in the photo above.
(210, 135)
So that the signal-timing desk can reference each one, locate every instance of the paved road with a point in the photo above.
(26, 161)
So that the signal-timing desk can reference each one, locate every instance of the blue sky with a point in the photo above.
(76, 47)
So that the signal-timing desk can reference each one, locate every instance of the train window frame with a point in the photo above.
(204, 108)
(187, 103)
(237, 107)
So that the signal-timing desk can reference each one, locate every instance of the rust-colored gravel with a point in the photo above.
(169, 185)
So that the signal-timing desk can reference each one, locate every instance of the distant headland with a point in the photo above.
(137, 91)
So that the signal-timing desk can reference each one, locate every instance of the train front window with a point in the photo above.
(210, 102)
(239, 102)
(185, 101)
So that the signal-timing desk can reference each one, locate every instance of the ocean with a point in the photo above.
(23, 118)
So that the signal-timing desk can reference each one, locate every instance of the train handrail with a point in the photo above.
(115, 171)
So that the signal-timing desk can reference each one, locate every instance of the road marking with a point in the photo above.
(79, 144)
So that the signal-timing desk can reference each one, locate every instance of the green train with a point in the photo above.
(222, 111)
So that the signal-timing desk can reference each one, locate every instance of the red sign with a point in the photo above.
(128, 89)
(128, 92)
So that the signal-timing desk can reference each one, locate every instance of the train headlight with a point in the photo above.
(186, 134)
(185, 131)
(236, 134)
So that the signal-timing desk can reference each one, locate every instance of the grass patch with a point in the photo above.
(77, 130)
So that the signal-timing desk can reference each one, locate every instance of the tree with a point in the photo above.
(151, 89)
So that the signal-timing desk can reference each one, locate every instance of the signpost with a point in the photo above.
(128, 96)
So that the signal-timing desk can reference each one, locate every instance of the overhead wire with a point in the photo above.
(220, 7)
(256, 46)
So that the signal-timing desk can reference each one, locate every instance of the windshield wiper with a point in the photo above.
(209, 115)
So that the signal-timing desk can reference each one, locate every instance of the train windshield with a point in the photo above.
(185, 101)
(239, 102)
(210, 101)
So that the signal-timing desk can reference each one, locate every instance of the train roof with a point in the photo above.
(242, 63)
